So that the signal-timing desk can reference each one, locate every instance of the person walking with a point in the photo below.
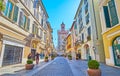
(37, 58)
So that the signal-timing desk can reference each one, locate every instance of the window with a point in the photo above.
(85, 1)
(15, 15)
(87, 18)
(89, 31)
(75, 26)
(110, 13)
(81, 27)
(35, 29)
(11, 10)
(42, 22)
(82, 37)
(36, 13)
(27, 3)
(86, 8)
(24, 21)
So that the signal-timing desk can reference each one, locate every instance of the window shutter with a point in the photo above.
(28, 24)
(113, 13)
(21, 19)
(106, 15)
(15, 16)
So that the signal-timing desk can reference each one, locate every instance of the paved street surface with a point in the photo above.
(79, 68)
(59, 67)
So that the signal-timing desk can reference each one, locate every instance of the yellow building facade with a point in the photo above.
(68, 44)
(110, 22)
(23, 30)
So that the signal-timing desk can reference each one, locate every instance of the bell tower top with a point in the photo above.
(62, 26)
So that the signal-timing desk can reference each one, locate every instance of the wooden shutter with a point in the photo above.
(15, 16)
(106, 15)
(113, 13)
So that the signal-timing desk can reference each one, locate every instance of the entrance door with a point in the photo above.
(33, 51)
(116, 51)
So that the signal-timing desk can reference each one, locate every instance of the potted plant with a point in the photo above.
(69, 57)
(29, 64)
(2, 6)
(46, 58)
(93, 66)
(52, 57)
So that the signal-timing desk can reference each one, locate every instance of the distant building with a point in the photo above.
(61, 38)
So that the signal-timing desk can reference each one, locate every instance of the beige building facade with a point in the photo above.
(23, 26)
(89, 39)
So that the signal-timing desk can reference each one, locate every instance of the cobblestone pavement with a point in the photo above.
(59, 67)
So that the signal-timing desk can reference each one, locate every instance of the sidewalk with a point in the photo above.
(79, 68)
(19, 69)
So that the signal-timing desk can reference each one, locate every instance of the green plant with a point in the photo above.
(29, 61)
(88, 38)
(93, 64)
(2, 6)
(69, 56)
(46, 57)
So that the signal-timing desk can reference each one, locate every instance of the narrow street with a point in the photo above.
(59, 67)
(64, 67)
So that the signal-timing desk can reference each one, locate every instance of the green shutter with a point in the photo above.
(113, 13)
(106, 15)
(28, 24)
(15, 16)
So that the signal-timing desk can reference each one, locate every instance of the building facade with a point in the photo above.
(62, 33)
(110, 22)
(73, 30)
(89, 42)
(22, 30)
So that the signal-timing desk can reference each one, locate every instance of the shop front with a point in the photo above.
(12, 55)
(12, 52)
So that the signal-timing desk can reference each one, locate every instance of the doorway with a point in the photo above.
(116, 51)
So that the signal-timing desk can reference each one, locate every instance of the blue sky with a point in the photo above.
(60, 11)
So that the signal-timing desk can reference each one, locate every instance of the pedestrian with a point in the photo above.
(30, 56)
(37, 58)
